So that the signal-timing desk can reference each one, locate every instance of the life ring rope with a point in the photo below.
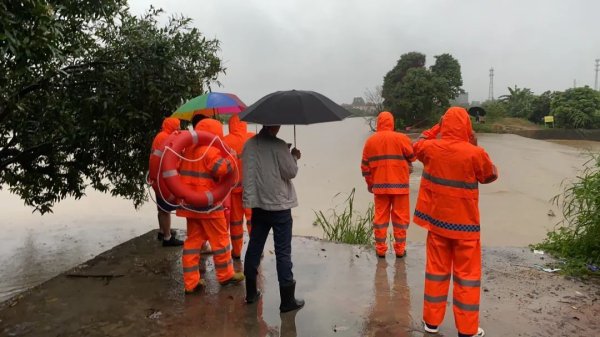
(182, 205)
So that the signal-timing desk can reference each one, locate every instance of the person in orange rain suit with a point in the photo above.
(448, 207)
(202, 175)
(386, 165)
(237, 137)
(165, 234)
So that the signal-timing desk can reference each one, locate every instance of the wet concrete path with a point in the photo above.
(348, 292)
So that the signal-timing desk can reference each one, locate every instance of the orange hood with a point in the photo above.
(456, 124)
(170, 125)
(385, 121)
(237, 127)
(211, 125)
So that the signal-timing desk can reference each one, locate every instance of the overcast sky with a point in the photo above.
(342, 47)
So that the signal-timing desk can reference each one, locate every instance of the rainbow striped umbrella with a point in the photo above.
(210, 104)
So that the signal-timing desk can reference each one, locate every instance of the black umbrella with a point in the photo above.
(476, 110)
(294, 107)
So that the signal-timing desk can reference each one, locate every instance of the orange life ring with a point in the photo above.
(170, 174)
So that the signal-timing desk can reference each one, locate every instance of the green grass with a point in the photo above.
(484, 128)
(576, 240)
(348, 226)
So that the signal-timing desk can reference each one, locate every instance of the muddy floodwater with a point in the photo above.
(514, 210)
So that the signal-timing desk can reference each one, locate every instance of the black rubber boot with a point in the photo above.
(288, 298)
(172, 242)
(252, 294)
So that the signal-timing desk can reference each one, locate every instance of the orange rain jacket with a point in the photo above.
(237, 137)
(203, 175)
(386, 157)
(448, 202)
(169, 126)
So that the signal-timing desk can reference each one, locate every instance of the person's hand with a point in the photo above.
(473, 138)
(296, 153)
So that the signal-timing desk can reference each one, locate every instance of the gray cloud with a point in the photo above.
(342, 47)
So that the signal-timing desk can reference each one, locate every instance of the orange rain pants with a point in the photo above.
(198, 232)
(237, 223)
(396, 207)
(463, 258)
(386, 160)
(237, 137)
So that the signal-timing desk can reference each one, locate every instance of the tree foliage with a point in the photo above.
(519, 102)
(447, 68)
(577, 108)
(415, 94)
(84, 89)
(374, 97)
(541, 107)
(494, 110)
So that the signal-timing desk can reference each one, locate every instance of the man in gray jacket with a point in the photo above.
(268, 170)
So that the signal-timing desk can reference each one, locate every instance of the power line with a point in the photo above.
(491, 92)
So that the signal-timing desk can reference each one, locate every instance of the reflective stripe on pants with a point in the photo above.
(394, 207)
(236, 227)
(199, 231)
(462, 258)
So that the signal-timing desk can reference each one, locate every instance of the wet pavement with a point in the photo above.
(136, 290)
(514, 210)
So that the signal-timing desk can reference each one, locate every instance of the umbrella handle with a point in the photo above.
(295, 135)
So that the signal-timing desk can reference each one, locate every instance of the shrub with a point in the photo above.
(348, 226)
(577, 240)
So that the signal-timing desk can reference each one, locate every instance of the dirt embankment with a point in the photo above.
(525, 128)
(135, 289)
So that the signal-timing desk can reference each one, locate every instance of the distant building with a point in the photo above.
(360, 108)
(475, 103)
(461, 100)
(358, 101)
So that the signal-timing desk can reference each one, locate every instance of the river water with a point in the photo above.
(514, 210)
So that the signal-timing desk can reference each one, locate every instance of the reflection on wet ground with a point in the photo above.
(136, 290)
(390, 313)
(514, 209)
(346, 288)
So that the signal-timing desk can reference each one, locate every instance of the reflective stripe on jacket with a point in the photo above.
(386, 158)
(169, 126)
(448, 202)
(202, 175)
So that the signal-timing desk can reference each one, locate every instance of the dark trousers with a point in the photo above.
(262, 222)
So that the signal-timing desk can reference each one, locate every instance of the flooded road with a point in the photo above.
(513, 210)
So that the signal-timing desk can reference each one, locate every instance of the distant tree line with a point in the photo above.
(417, 96)
(572, 108)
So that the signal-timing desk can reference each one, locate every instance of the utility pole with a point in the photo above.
(597, 69)
(491, 91)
